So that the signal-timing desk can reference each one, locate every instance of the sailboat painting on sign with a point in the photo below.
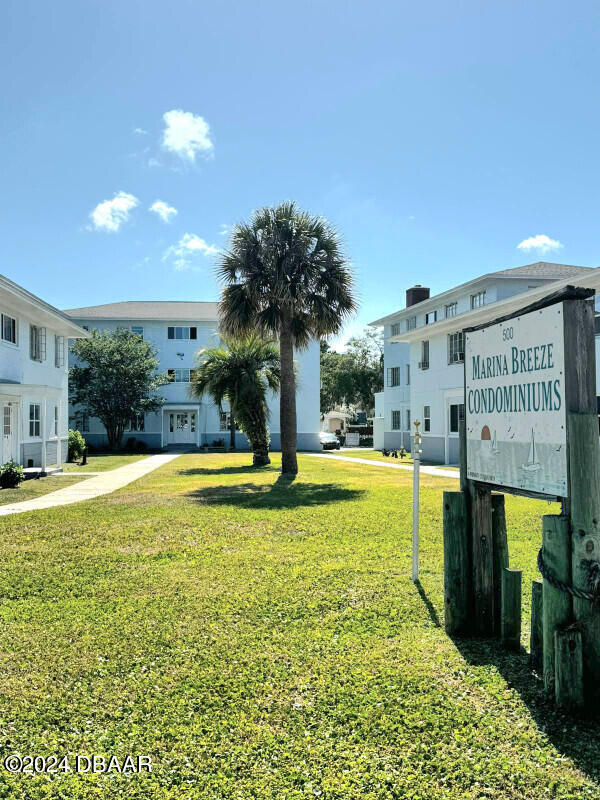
(532, 465)
(495, 448)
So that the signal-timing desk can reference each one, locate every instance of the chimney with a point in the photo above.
(417, 294)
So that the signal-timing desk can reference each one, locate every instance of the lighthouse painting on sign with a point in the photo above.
(514, 403)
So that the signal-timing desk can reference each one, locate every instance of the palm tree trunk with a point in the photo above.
(287, 402)
(231, 431)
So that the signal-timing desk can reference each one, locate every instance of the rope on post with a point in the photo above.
(593, 580)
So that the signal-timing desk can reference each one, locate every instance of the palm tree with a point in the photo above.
(242, 372)
(285, 275)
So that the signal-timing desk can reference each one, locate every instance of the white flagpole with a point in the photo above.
(415, 519)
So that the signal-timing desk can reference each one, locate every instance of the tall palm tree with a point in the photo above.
(285, 275)
(243, 373)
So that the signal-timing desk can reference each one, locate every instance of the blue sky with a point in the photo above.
(437, 136)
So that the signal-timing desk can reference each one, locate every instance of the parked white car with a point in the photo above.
(329, 441)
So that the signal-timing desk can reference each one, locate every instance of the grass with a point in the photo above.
(35, 488)
(262, 639)
(372, 455)
(104, 463)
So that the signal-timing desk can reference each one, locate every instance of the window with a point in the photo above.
(138, 330)
(478, 300)
(182, 333)
(37, 343)
(395, 329)
(431, 317)
(411, 323)
(9, 329)
(137, 422)
(407, 419)
(457, 415)
(396, 420)
(7, 427)
(59, 351)
(424, 362)
(393, 376)
(34, 419)
(408, 374)
(181, 375)
(224, 420)
(456, 348)
(597, 325)
(56, 420)
(426, 418)
(451, 309)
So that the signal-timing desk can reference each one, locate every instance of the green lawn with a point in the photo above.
(373, 455)
(36, 487)
(103, 463)
(261, 639)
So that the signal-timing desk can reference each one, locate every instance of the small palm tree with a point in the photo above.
(243, 373)
(285, 276)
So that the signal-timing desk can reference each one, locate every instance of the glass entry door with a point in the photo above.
(181, 427)
(8, 431)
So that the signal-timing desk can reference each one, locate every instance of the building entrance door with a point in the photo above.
(182, 427)
(8, 439)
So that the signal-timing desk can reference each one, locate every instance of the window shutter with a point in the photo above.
(42, 343)
(171, 333)
(171, 375)
(193, 332)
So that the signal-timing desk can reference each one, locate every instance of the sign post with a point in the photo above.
(531, 428)
(415, 519)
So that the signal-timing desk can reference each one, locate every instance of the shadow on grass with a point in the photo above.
(433, 615)
(576, 737)
(238, 470)
(284, 493)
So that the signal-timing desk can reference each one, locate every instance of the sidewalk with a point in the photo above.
(101, 483)
(437, 471)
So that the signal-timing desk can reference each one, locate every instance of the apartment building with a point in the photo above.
(178, 330)
(424, 349)
(33, 378)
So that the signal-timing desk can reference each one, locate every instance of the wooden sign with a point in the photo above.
(515, 408)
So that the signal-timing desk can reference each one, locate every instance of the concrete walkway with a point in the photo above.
(101, 483)
(437, 471)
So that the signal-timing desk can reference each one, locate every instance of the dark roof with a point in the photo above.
(148, 309)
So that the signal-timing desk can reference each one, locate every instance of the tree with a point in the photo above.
(285, 276)
(242, 373)
(354, 376)
(116, 379)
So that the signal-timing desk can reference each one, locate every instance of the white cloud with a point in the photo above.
(140, 131)
(541, 243)
(110, 215)
(187, 249)
(154, 162)
(225, 230)
(186, 134)
(164, 211)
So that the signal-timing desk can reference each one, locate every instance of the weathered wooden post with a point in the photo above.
(483, 562)
(557, 605)
(584, 478)
(500, 553)
(458, 604)
(536, 636)
(510, 628)
(568, 684)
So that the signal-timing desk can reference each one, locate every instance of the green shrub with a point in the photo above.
(76, 445)
(11, 475)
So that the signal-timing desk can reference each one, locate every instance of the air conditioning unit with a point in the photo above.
(423, 364)
(457, 358)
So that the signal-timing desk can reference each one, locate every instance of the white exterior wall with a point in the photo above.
(181, 354)
(395, 398)
(24, 381)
